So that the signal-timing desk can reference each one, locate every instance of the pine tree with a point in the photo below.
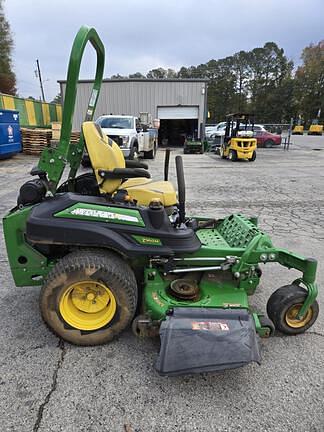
(7, 76)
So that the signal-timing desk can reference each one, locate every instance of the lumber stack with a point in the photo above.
(56, 130)
(35, 140)
(75, 136)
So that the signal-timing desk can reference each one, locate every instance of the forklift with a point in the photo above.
(239, 142)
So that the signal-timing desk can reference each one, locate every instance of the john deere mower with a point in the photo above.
(193, 145)
(113, 247)
(238, 140)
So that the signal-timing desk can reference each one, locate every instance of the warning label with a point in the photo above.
(209, 325)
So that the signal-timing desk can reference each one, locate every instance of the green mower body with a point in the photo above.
(105, 262)
(193, 146)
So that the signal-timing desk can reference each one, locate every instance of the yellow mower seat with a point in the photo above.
(105, 154)
(143, 193)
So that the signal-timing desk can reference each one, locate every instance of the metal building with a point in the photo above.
(180, 104)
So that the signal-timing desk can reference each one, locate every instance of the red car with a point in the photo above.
(265, 138)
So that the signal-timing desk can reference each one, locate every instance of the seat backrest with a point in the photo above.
(104, 154)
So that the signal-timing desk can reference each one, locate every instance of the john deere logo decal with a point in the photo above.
(93, 212)
(152, 241)
(102, 214)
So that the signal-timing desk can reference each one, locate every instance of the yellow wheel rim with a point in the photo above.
(292, 313)
(87, 305)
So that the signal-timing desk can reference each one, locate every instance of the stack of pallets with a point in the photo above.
(35, 140)
(75, 136)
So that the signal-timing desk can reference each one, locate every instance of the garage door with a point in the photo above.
(176, 112)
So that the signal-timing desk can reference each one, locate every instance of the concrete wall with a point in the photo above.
(135, 96)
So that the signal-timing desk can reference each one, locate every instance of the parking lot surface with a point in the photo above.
(48, 385)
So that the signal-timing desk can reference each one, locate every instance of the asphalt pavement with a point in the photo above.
(48, 385)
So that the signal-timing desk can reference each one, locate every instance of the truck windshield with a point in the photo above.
(116, 123)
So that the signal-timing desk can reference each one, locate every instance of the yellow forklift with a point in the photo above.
(315, 128)
(239, 141)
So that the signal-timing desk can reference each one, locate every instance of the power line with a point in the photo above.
(39, 76)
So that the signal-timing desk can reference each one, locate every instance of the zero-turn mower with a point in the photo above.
(238, 140)
(192, 145)
(112, 247)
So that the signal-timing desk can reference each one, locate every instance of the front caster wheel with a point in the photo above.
(89, 297)
(283, 307)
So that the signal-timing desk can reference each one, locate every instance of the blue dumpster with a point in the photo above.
(10, 137)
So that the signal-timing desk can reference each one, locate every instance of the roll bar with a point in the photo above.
(54, 160)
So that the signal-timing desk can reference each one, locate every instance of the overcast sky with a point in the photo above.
(143, 34)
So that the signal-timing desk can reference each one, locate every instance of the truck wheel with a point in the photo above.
(89, 297)
(150, 154)
(283, 306)
(134, 155)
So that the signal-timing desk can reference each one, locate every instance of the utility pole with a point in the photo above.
(39, 76)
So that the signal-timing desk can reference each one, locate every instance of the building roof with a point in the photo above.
(142, 80)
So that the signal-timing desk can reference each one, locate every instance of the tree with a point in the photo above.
(117, 76)
(158, 73)
(242, 73)
(309, 82)
(171, 73)
(7, 76)
(137, 75)
(270, 73)
(258, 81)
(57, 99)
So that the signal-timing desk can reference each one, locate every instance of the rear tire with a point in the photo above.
(85, 161)
(89, 297)
(282, 308)
(253, 157)
(85, 184)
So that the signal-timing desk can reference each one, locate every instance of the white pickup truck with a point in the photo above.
(133, 137)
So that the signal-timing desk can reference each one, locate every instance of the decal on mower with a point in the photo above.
(94, 212)
(147, 240)
(209, 326)
(103, 214)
